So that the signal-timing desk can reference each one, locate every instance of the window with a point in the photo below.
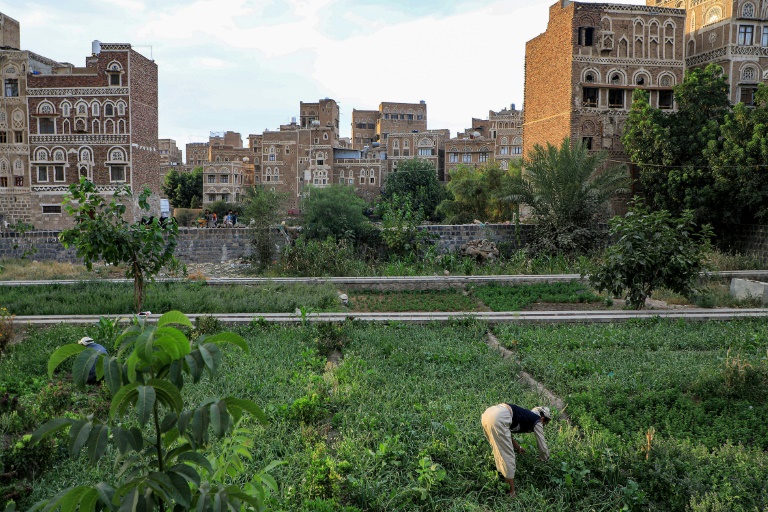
(587, 142)
(589, 97)
(467, 158)
(19, 181)
(406, 152)
(764, 41)
(615, 98)
(483, 157)
(42, 173)
(748, 11)
(224, 179)
(517, 150)
(109, 110)
(504, 150)
(372, 179)
(18, 137)
(453, 158)
(748, 95)
(117, 173)
(666, 99)
(114, 79)
(11, 87)
(211, 198)
(3, 137)
(58, 173)
(425, 151)
(745, 35)
(410, 118)
(46, 126)
(3, 182)
(225, 198)
(51, 208)
(95, 109)
(272, 158)
(586, 36)
(211, 178)
(65, 109)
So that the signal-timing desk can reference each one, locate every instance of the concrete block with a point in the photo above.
(746, 288)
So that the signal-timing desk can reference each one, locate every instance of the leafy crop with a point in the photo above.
(501, 297)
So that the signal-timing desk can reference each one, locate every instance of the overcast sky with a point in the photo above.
(244, 65)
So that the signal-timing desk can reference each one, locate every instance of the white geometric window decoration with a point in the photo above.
(65, 109)
(3, 165)
(405, 143)
(41, 155)
(58, 155)
(748, 74)
(82, 109)
(116, 155)
(517, 141)
(115, 66)
(504, 141)
(85, 155)
(665, 81)
(18, 165)
(45, 108)
(615, 79)
(95, 109)
(748, 10)
(714, 15)
(3, 118)
(121, 109)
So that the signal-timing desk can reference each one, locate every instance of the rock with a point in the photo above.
(344, 299)
(481, 250)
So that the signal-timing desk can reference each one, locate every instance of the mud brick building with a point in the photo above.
(496, 139)
(580, 74)
(732, 34)
(224, 181)
(59, 122)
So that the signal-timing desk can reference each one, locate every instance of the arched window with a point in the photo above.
(65, 109)
(109, 109)
(95, 109)
(748, 74)
(748, 10)
(713, 15)
(120, 108)
(41, 155)
(58, 155)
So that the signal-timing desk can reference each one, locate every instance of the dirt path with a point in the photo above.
(526, 378)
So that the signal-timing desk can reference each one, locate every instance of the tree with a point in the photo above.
(652, 250)
(670, 148)
(478, 194)
(399, 225)
(261, 209)
(102, 232)
(334, 211)
(184, 189)
(568, 190)
(416, 178)
(161, 443)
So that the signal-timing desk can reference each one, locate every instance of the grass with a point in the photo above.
(418, 300)
(94, 298)
(376, 432)
(500, 297)
(32, 270)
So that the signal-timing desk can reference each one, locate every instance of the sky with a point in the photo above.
(244, 65)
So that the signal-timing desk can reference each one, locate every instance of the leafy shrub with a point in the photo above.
(7, 329)
(207, 324)
(500, 297)
(651, 250)
(331, 336)
(313, 258)
(308, 409)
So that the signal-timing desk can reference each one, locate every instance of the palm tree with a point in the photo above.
(567, 190)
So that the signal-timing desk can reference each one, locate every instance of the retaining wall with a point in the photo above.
(224, 244)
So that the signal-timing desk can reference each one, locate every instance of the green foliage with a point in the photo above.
(568, 189)
(515, 298)
(479, 193)
(7, 329)
(400, 225)
(317, 258)
(417, 179)
(335, 211)
(413, 300)
(102, 232)
(704, 157)
(261, 210)
(94, 298)
(652, 250)
(163, 469)
(184, 189)
(222, 208)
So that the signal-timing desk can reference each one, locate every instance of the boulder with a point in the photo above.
(482, 250)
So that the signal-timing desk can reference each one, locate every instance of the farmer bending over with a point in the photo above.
(500, 422)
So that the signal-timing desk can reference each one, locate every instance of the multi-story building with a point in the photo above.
(59, 122)
(223, 181)
(730, 33)
(170, 154)
(369, 126)
(197, 154)
(425, 145)
(496, 139)
(581, 72)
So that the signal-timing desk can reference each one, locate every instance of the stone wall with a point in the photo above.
(750, 239)
(218, 245)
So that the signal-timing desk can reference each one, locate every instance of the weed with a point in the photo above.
(7, 329)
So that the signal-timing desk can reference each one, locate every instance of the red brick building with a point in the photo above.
(59, 122)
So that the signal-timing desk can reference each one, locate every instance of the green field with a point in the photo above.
(396, 425)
